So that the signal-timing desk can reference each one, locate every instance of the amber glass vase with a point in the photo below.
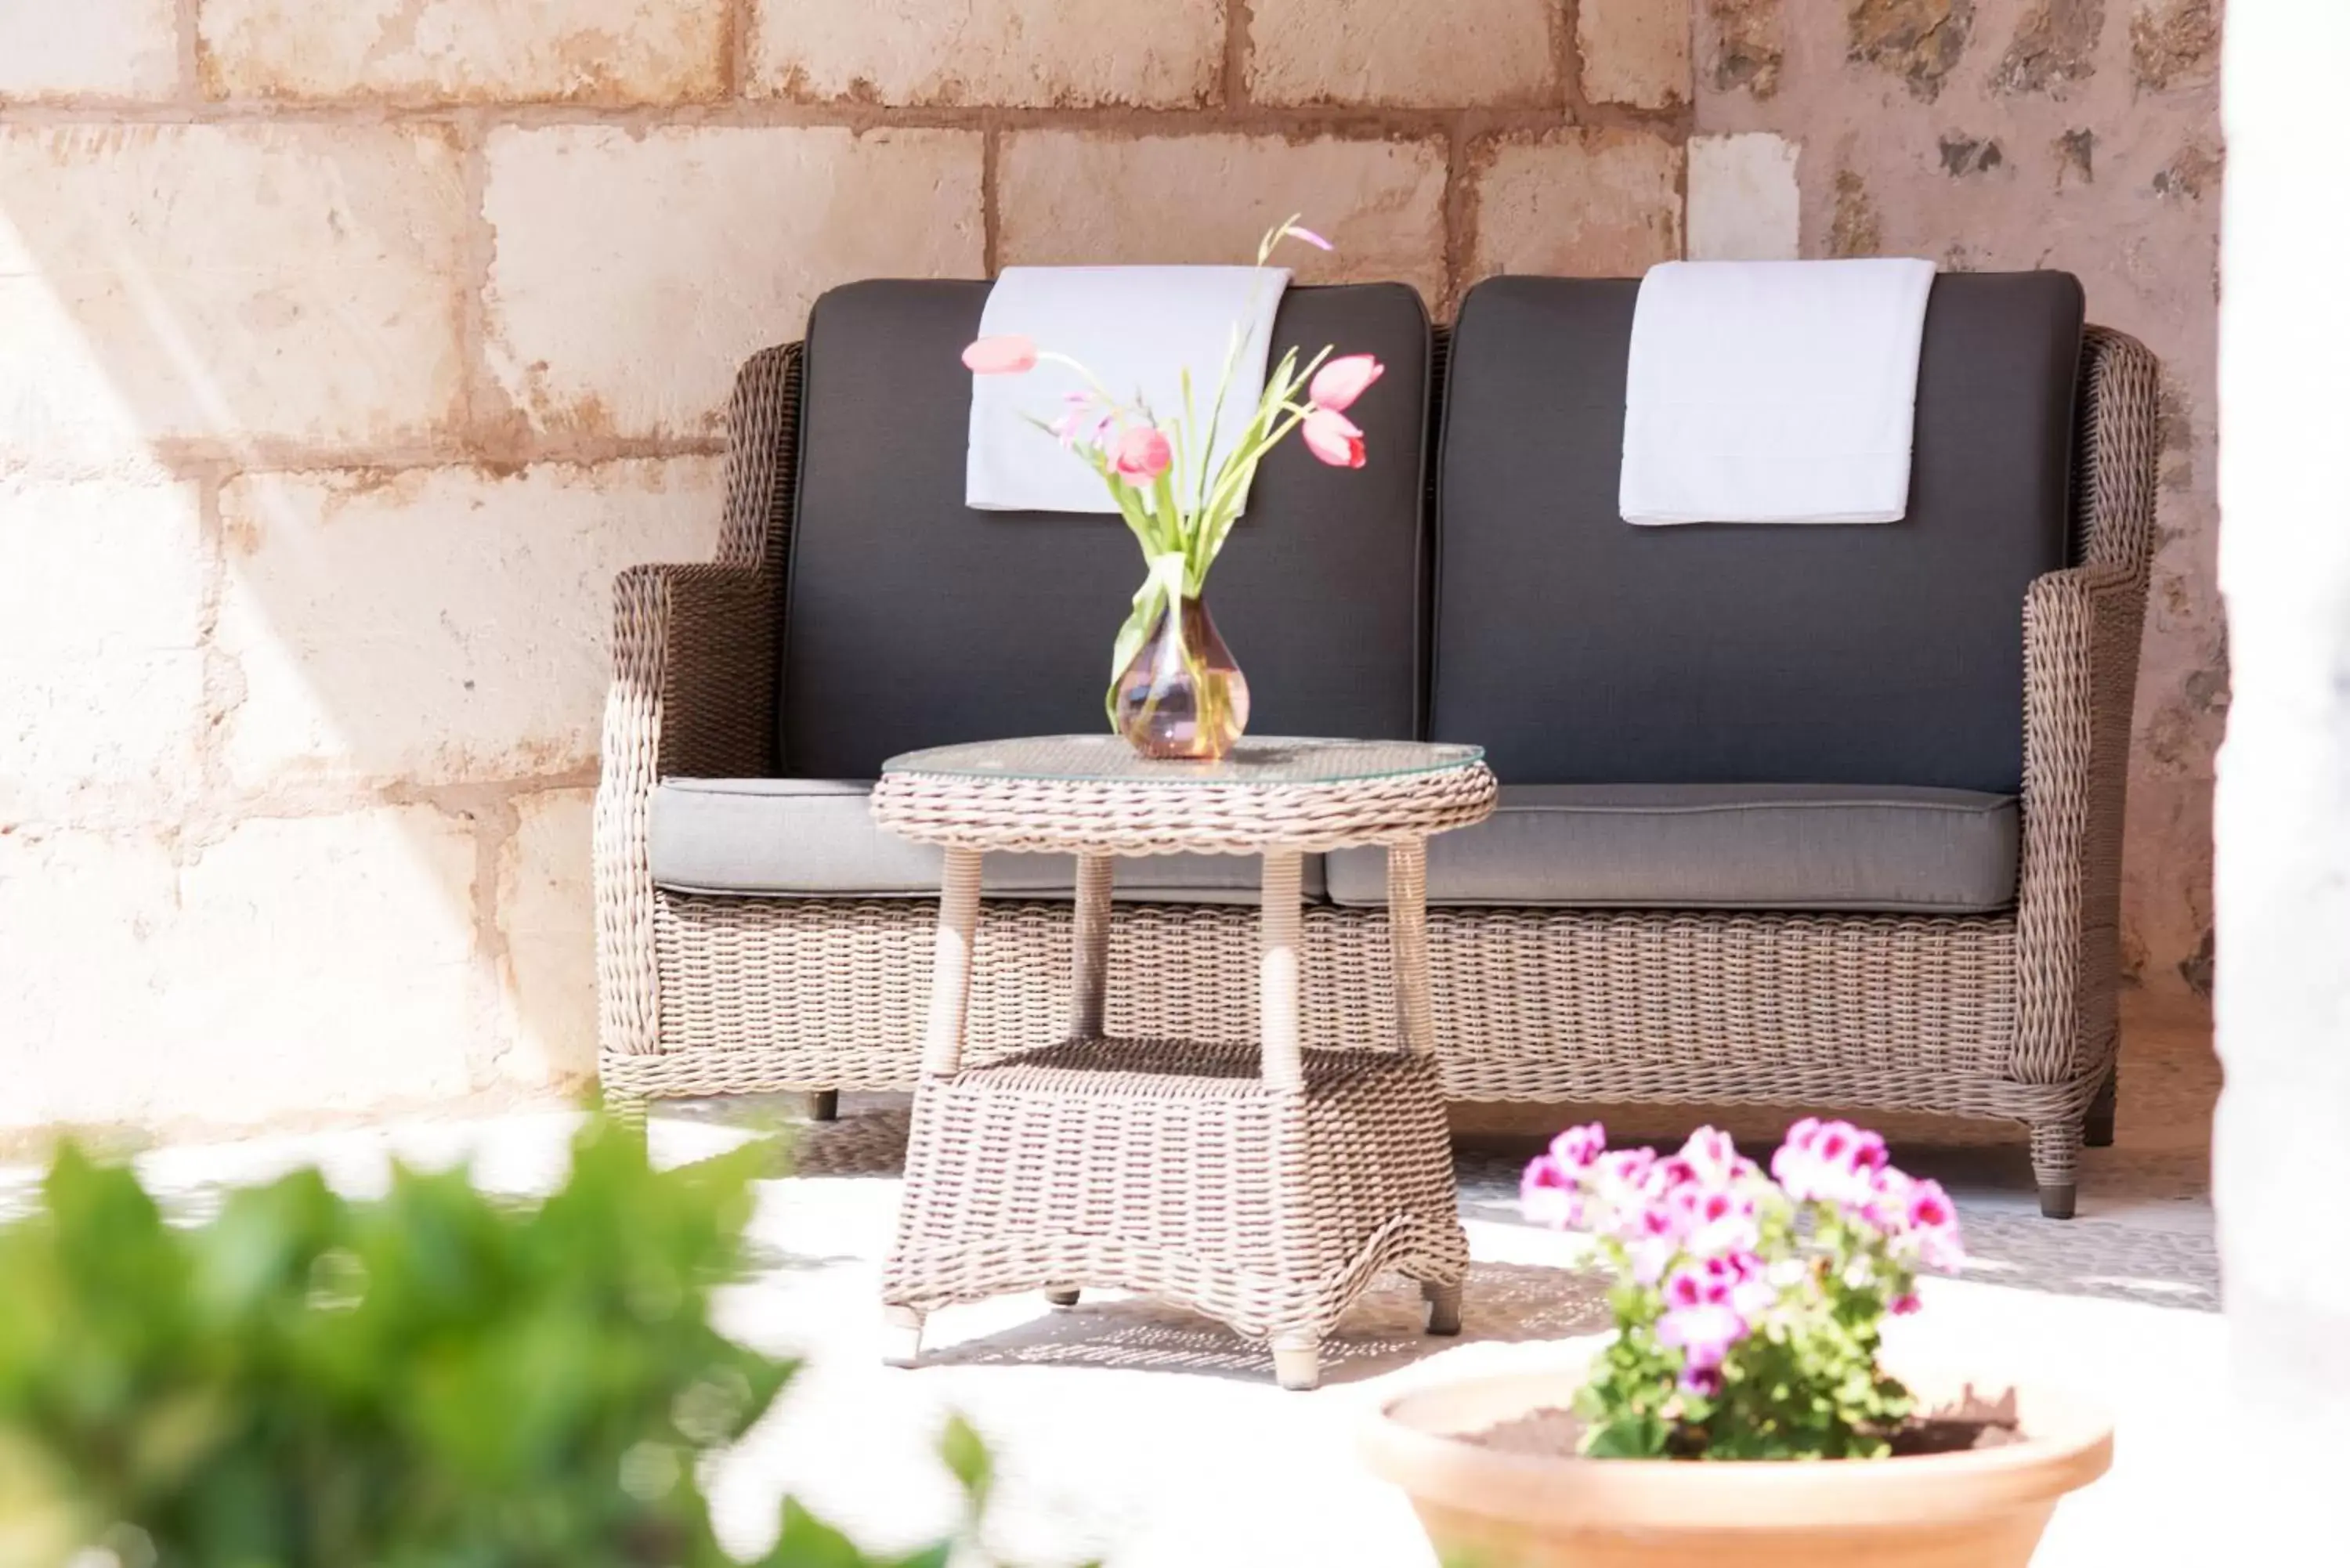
(1182, 696)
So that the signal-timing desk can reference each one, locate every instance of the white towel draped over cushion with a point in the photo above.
(1774, 391)
(1135, 328)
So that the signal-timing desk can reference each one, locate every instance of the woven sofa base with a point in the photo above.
(1172, 1169)
(1891, 1012)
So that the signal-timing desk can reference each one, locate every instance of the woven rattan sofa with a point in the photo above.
(1801, 816)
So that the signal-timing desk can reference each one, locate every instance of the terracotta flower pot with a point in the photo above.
(1484, 1507)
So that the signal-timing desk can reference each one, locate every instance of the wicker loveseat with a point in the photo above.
(1796, 816)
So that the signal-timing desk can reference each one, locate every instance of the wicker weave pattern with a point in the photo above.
(1529, 1004)
(2081, 631)
(1171, 1170)
(2007, 1016)
(694, 652)
(1108, 817)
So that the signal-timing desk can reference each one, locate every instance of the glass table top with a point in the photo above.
(1256, 760)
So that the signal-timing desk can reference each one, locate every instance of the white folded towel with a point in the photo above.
(1136, 329)
(1774, 391)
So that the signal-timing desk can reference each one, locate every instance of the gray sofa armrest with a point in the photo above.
(2081, 629)
(694, 663)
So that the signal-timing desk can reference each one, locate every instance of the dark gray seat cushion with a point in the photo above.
(913, 621)
(1579, 649)
(814, 837)
(1718, 846)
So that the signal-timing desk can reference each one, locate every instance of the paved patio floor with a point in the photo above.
(1151, 1438)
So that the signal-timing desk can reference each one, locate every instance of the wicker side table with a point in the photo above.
(1263, 1187)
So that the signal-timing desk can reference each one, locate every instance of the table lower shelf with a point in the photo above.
(1172, 1169)
(1114, 1066)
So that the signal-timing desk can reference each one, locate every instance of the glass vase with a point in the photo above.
(1182, 695)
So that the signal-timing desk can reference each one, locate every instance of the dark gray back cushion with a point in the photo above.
(1580, 650)
(913, 621)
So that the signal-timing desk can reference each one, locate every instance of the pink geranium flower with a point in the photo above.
(1711, 1253)
(1737, 1280)
(1934, 1224)
(1703, 1334)
(1650, 1256)
(1577, 1147)
(1829, 1162)
(1711, 1155)
(1551, 1194)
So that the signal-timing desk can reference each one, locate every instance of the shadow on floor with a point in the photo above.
(1502, 1302)
(2144, 1233)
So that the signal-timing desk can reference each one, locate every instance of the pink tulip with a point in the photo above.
(1339, 383)
(1333, 438)
(1142, 455)
(1006, 355)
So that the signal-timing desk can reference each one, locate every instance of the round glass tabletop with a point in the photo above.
(1255, 759)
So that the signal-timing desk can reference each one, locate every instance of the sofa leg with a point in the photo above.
(2057, 1166)
(824, 1106)
(2098, 1130)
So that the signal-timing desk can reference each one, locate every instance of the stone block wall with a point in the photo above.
(2002, 134)
(348, 349)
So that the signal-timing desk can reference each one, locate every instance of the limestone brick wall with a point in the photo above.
(348, 349)
(1997, 134)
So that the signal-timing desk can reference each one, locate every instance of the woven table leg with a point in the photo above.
(1408, 943)
(1280, 926)
(1089, 984)
(950, 965)
(1090, 988)
(943, 1043)
(1296, 1351)
(1443, 1263)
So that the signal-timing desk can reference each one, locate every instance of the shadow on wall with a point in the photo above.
(343, 360)
(300, 673)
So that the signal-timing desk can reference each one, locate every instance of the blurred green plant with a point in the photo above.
(431, 1379)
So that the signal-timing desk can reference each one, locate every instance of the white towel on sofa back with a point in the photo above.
(1136, 329)
(1774, 391)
